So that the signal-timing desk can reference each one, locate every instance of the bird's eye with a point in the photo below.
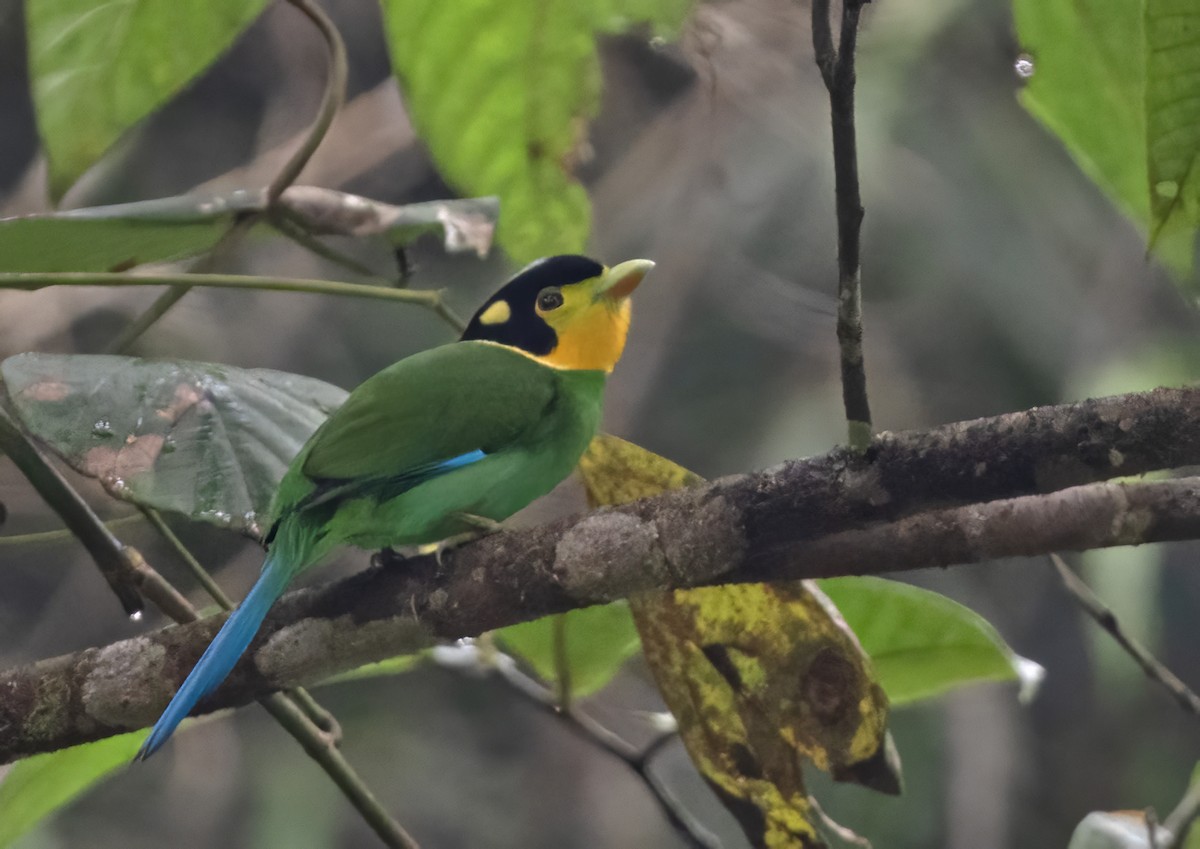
(549, 299)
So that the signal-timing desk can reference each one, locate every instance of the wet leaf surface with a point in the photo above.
(208, 441)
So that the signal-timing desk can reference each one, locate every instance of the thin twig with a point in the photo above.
(317, 713)
(562, 663)
(198, 572)
(207, 263)
(288, 226)
(442, 311)
(29, 281)
(146, 319)
(323, 749)
(1179, 821)
(158, 590)
(844, 834)
(331, 101)
(62, 534)
(638, 761)
(112, 557)
(1106, 619)
(837, 71)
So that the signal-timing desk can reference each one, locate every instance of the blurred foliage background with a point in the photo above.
(996, 277)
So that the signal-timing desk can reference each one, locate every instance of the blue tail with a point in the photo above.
(226, 648)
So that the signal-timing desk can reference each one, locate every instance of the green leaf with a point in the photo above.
(923, 644)
(209, 441)
(1192, 841)
(1089, 88)
(107, 238)
(38, 786)
(100, 66)
(1173, 113)
(379, 669)
(599, 640)
(502, 91)
(112, 238)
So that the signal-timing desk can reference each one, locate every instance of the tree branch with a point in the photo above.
(1018, 484)
(637, 760)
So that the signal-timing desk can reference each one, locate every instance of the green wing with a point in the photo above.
(429, 408)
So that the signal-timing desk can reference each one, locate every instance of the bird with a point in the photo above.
(441, 443)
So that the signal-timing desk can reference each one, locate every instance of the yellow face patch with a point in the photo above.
(591, 330)
(497, 313)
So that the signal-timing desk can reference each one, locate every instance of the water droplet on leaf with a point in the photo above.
(1024, 66)
(1030, 675)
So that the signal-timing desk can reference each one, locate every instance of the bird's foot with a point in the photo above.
(482, 525)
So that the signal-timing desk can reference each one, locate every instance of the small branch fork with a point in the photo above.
(1179, 821)
(331, 101)
(837, 70)
(637, 760)
(1106, 619)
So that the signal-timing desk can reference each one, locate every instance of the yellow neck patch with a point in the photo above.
(590, 340)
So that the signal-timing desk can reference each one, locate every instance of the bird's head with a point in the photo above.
(568, 312)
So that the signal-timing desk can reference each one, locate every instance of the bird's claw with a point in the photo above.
(482, 527)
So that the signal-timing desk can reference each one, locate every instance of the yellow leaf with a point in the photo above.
(761, 677)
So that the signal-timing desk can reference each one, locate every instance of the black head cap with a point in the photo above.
(523, 328)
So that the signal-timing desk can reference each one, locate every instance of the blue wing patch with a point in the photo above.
(435, 469)
(384, 488)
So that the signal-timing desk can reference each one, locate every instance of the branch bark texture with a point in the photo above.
(1017, 484)
(837, 71)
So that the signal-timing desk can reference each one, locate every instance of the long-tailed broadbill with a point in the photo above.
(431, 446)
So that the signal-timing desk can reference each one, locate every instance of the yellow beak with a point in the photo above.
(618, 282)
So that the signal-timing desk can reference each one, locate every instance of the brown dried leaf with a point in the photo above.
(466, 225)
